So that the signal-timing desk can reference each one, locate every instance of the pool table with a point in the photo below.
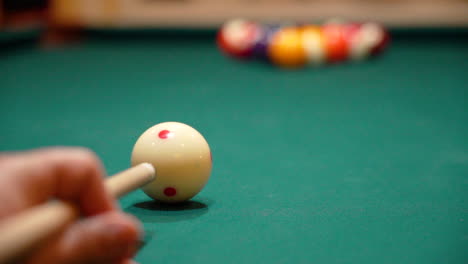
(348, 163)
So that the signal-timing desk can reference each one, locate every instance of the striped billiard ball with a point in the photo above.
(237, 37)
(314, 44)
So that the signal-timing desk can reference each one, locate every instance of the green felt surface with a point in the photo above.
(352, 163)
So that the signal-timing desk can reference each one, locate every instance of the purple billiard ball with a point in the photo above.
(260, 48)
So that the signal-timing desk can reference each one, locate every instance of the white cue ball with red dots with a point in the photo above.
(181, 157)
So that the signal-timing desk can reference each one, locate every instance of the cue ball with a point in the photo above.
(181, 157)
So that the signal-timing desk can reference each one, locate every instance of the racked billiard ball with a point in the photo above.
(181, 157)
(314, 44)
(262, 42)
(365, 40)
(381, 40)
(237, 37)
(357, 50)
(336, 46)
(286, 48)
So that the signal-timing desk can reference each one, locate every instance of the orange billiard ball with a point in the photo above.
(286, 48)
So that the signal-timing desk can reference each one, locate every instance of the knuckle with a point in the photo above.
(80, 157)
(86, 155)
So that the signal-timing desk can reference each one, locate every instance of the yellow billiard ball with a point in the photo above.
(286, 48)
(181, 157)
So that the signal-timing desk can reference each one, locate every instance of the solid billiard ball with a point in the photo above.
(287, 48)
(237, 37)
(181, 157)
(336, 46)
(260, 47)
(314, 44)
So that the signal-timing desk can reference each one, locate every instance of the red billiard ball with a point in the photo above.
(237, 37)
(336, 46)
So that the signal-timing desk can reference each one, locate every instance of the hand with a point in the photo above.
(105, 235)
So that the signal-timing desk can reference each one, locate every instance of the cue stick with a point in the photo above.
(28, 228)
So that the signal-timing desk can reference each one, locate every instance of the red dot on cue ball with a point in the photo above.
(169, 191)
(164, 134)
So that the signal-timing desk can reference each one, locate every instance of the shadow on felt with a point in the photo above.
(158, 212)
(159, 206)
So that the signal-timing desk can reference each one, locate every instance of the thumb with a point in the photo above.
(107, 238)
